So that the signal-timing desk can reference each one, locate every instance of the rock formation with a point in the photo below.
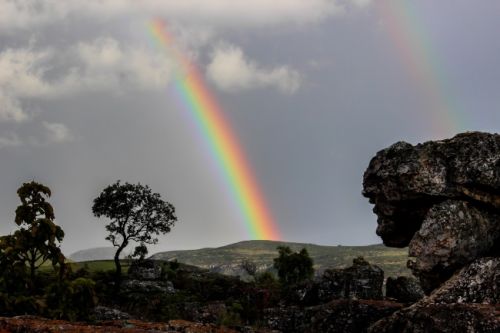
(360, 281)
(403, 289)
(442, 200)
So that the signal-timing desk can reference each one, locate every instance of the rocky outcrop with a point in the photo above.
(342, 316)
(443, 318)
(478, 282)
(360, 281)
(468, 302)
(404, 289)
(442, 199)
(145, 270)
(147, 287)
(104, 313)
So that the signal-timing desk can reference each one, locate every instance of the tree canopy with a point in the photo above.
(293, 267)
(136, 214)
(38, 238)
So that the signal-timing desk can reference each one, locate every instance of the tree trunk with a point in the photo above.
(118, 273)
(32, 273)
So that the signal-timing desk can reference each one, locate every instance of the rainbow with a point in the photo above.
(419, 56)
(217, 133)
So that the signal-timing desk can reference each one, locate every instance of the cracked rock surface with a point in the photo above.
(440, 198)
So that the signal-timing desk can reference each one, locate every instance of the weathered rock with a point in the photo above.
(443, 318)
(404, 289)
(204, 313)
(452, 234)
(105, 313)
(467, 302)
(405, 181)
(145, 270)
(360, 281)
(344, 316)
(147, 287)
(441, 198)
(478, 282)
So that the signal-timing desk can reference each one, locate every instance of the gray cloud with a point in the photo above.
(27, 14)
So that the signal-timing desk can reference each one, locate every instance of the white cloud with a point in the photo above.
(26, 14)
(27, 76)
(102, 64)
(57, 132)
(105, 64)
(231, 71)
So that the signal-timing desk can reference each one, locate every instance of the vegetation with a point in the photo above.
(293, 267)
(262, 253)
(24, 288)
(136, 215)
(35, 277)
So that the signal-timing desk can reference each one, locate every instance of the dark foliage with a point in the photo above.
(136, 214)
(22, 254)
(293, 267)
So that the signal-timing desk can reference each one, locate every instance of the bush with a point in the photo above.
(73, 300)
(293, 267)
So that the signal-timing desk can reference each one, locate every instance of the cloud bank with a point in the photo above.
(27, 14)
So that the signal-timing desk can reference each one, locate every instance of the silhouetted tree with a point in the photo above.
(293, 267)
(38, 239)
(136, 214)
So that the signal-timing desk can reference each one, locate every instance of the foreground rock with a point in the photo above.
(31, 324)
(404, 289)
(468, 302)
(342, 316)
(443, 318)
(478, 282)
(442, 199)
(359, 281)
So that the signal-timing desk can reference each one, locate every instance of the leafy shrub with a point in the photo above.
(72, 300)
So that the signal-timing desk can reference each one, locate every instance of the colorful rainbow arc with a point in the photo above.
(223, 144)
(419, 57)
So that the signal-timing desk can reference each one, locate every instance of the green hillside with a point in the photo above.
(226, 259)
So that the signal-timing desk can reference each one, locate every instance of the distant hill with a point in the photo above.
(227, 259)
(96, 253)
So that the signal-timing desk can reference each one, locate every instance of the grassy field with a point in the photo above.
(262, 253)
(100, 265)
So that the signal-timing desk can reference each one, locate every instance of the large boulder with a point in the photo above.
(453, 233)
(478, 282)
(360, 281)
(342, 316)
(440, 198)
(145, 270)
(467, 302)
(443, 318)
(404, 289)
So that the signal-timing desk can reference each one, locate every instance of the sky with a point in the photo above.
(312, 89)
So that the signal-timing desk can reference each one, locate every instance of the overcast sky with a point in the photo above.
(312, 88)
